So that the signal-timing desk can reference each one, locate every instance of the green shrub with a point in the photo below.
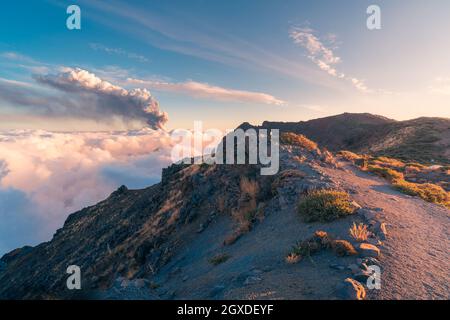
(343, 248)
(427, 191)
(389, 162)
(348, 155)
(218, 259)
(298, 140)
(325, 205)
(386, 173)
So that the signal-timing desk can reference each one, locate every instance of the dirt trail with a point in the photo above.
(414, 261)
(416, 258)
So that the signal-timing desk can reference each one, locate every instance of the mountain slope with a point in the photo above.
(223, 231)
(425, 140)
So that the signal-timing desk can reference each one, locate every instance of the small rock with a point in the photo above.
(140, 283)
(371, 261)
(216, 291)
(257, 271)
(374, 242)
(383, 231)
(251, 280)
(267, 268)
(201, 228)
(355, 205)
(185, 278)
(362, 276)
(125, 283)
(354, 268)
(337, 267)
(368, 214)
(171, 294)
(369, 250)
(351, 289)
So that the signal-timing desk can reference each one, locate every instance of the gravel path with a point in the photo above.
(416, 256)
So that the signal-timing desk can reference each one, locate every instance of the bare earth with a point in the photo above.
(415, 256)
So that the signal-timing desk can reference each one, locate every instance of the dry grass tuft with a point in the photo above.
(249, 187)
(292, 258)
(387, 173)
(389, 162)
(348, 155)
(298, 140)
(359, 232)
(343, 248)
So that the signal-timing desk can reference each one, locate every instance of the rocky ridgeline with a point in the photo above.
(123, 242)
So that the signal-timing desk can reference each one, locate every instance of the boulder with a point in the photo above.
(368, 250)
(382, 231)
(354, 268)
(351, 289)
(362, 276)
(337, 266)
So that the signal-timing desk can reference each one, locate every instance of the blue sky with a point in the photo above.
(245, 46)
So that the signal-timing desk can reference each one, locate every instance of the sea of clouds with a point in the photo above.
(44, 176)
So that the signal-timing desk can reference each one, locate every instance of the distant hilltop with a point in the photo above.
(425, 140)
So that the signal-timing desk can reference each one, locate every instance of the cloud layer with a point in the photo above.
(44, 176)
(204, 90)
(322, 55)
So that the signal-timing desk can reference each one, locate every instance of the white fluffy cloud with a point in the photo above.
(204, 90)
(44, 176)
(322, 55)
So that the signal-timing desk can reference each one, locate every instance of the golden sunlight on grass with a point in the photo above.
(359, 232)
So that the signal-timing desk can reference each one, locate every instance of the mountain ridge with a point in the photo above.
(424, 139)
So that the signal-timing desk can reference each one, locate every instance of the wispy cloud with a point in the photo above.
(204, 90)
(118, 51)
(322, 55)
(26, 62)
(201, 41)
(440, 86)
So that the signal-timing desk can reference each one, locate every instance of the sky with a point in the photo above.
(84, 111)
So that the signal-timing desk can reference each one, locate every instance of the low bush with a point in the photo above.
(325, 205)
(348, 155)
(386, 173)
(389, 162)
(294, 139)
(343, 248)
(218, 259)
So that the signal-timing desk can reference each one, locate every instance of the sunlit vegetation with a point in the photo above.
(343, 248)
(325, 205)
(359, 232)
(319, 241)
(218, 259)
(298, 140)
(397, 171)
